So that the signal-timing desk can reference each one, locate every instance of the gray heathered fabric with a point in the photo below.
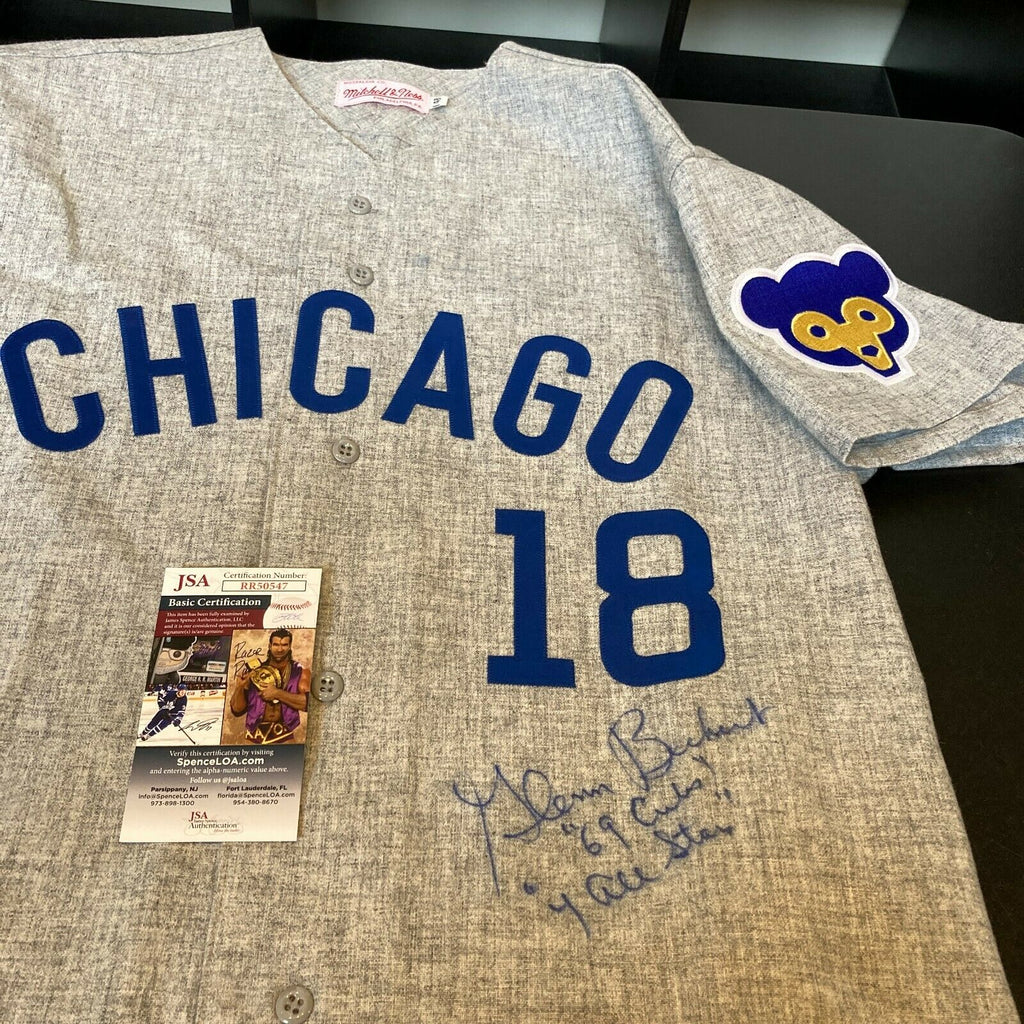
(551, 197)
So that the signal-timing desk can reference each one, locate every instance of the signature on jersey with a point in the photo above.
(596, 844)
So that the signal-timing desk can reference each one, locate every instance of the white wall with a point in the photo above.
(838, 31)
(545, 19)
(218, 6)
(843, 31)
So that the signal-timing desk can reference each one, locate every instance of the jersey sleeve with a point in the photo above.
(880, 372)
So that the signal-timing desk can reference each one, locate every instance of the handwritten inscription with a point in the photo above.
(661, 804)
(646, 757)
(535, 795)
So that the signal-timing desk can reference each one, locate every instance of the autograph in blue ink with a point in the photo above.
(536, 796)
(647, 760)
(604, 890)
(606, 823)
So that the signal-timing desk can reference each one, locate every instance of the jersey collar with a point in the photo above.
(305, 90)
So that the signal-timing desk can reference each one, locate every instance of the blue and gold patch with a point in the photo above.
(838, 312)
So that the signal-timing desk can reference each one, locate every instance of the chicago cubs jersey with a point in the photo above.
(573, 414)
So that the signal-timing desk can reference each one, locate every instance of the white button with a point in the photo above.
(328, 686)
(360, 274)
(359, 204)
(294, 1005)
(345, 451)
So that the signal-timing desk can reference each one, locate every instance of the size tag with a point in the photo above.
(352, 91)
(222, 727)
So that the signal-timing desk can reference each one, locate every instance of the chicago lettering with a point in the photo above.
(444, 344)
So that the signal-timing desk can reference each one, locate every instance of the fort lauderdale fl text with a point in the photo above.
(663, 776)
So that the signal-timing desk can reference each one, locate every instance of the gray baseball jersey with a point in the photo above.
(572, 414)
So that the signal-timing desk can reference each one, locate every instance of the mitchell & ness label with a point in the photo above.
(352, 91)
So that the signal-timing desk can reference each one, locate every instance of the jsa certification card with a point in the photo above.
(222, 729)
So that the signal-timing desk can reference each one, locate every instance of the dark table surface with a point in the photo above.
(944, 205)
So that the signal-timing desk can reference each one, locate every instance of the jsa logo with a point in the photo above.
(191, 581)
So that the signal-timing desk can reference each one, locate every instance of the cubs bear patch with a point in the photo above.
(838, 312)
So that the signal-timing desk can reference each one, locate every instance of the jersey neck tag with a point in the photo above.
(352, 91)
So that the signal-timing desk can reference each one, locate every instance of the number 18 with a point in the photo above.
(529, 663)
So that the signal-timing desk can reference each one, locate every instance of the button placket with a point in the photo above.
(359, 224)
(359, 273)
